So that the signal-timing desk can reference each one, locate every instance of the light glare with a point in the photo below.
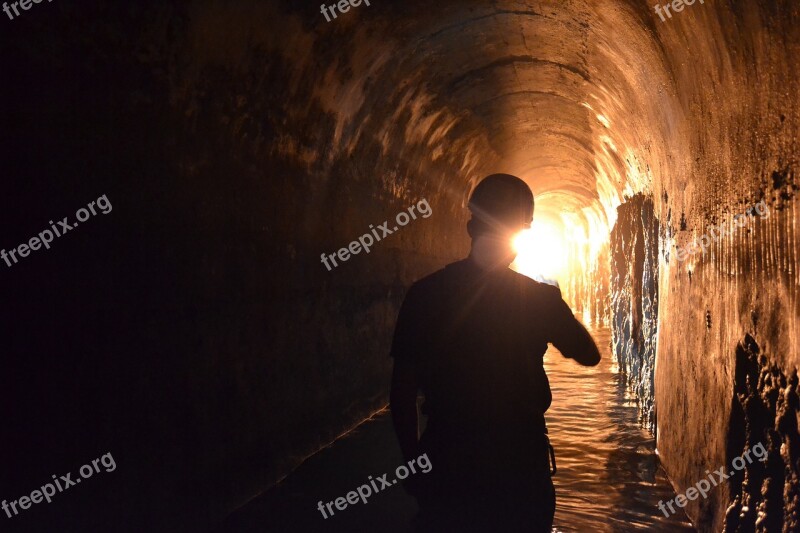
(541, 253)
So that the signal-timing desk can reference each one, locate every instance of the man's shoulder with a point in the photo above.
(436, 279)
(536, 288)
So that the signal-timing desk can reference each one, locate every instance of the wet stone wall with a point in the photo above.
(634, 298)
(764, 496)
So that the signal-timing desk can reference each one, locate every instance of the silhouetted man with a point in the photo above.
(472, 337)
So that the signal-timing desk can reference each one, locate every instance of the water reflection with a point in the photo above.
(608, 474)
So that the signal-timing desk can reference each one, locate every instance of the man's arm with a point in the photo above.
(403, 403)
(570, 337)
(577, 344)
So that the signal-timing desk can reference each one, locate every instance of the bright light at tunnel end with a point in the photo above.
(541, 252)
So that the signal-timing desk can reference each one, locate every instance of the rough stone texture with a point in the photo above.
(195, 329)
(634, 298)
(743, 145)
(765, 410)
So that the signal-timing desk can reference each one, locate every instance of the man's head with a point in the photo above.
(501, 206)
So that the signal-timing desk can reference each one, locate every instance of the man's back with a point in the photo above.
(472, 337)
(477, 342)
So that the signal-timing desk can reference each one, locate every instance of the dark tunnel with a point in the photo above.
(205, 328)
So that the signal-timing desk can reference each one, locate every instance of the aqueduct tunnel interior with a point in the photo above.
(196, 330)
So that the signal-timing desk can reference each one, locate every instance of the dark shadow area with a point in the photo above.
(291, 506)
(174, 331)
(764, 410)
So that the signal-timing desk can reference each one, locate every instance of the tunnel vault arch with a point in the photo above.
(289, 135)
(593, 103)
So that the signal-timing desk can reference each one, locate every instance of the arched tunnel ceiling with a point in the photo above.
(567, 93)
(590, 101)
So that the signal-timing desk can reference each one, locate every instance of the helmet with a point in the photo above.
(502, 202)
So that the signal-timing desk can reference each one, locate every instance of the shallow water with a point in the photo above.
(608, 477)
